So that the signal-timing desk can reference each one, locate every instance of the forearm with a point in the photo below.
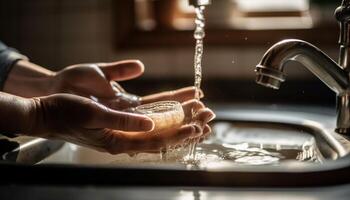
(17, 114)
(28, 80)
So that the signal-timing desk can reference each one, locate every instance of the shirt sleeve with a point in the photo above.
(8, 57)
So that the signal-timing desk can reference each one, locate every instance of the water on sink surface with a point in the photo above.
(242, 145)
(213, 154)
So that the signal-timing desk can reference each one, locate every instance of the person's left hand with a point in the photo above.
(98, 82)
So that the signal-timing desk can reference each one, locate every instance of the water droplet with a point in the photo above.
(199, 23)
(199, 34)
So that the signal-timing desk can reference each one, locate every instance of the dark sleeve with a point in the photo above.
(8, 57)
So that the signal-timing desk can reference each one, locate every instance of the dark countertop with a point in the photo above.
(341, 192)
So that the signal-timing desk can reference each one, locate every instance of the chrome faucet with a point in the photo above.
(269, 72)
(197, 3)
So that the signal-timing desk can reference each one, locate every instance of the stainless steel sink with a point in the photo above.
(296, 135)
(266, 128)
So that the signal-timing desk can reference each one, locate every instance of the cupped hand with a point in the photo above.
(195, 127)
(98, 82)
(85, 122)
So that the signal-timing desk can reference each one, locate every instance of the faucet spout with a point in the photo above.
(197, 3)
(270, 69)
(270, 73)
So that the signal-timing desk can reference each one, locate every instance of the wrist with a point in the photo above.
(18, 115)
(28, 80)
(34, 125)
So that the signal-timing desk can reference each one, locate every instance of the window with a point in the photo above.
(170, 22)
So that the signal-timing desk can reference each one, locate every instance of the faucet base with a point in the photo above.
(343, 110)
(343, 131)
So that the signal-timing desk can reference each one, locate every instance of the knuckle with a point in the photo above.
(112, 145)
(107, 142)
(123, 122)
(90, 112)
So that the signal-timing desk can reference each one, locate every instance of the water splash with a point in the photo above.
(212, 153)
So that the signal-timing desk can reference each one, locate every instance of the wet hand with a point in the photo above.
(85, 122)
(195, 127)
(98, 82)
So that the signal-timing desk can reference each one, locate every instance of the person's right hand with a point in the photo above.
(84, 122)
(195, 128)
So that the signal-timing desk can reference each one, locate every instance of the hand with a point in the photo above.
(94, 81)
(84, 122)
(97, 82)
(195, 128)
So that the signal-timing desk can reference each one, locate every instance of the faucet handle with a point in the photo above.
(342, 13)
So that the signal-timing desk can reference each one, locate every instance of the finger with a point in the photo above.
(148, 142)
(176, 137)
(104, 117)
(119, 103)
(198, 131)
(191, 107)
(204, 116)
(122, 70)
(180, 95)
(116, 87)
(185, 132)
(206, 133)
(203, 132)
(87, 79)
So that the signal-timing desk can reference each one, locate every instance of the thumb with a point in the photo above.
(122, 70)
(104, 117)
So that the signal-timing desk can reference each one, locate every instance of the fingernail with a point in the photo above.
(201, 94)
(148, 125)
(212, 116)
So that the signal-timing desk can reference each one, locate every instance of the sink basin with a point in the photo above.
(291, 146)
(241, 136)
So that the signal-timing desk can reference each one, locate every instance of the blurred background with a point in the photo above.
(58, 33)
